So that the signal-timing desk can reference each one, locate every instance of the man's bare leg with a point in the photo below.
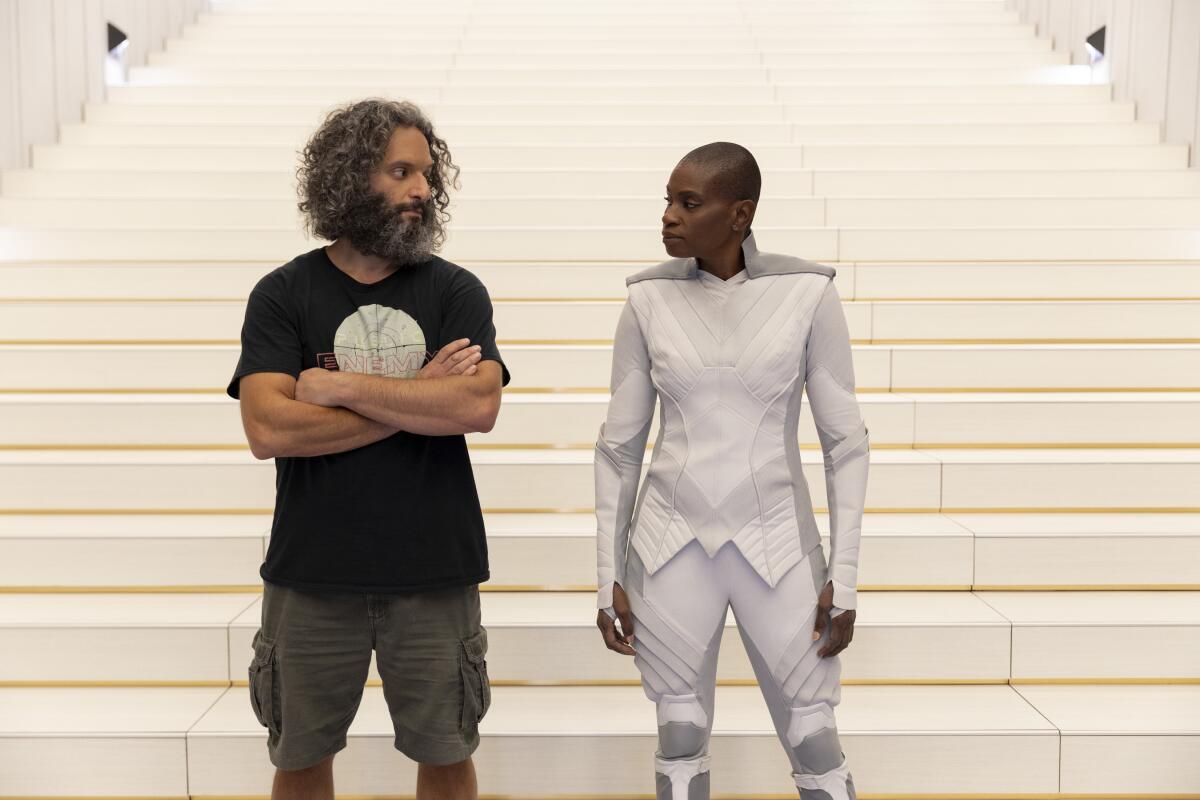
(448, 782)
(312, 783)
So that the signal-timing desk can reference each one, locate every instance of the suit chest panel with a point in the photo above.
(758, 332)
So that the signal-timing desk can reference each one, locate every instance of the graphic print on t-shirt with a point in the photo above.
(378, 340)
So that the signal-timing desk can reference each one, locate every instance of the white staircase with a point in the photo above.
(1020, 263)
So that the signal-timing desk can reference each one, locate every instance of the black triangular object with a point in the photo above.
(115, 37)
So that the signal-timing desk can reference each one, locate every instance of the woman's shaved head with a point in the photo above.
(733, 172)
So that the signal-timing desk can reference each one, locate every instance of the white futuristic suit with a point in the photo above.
(724, 517)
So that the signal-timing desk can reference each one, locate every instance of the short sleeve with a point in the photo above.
(468, 314)
(270, 336)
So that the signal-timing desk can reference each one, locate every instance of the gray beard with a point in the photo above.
(379, 230)
(405, 242)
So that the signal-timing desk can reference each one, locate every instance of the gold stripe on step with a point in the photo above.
(547, 510)
(1021, 341)
(1022, 389)
(500, 588)
(1087, 587)
(618, 682)
(604, 390)
(635, 796)
(589, 446)
(188, 588)
(1190, 681)
(591, 299)
(121, 342)
(745, 796)
(242, 299)
(131, 684)
(109, 390)
(602, 342)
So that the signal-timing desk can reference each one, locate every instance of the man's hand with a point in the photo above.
(619, 641)
(453, 359)
(841, 627)
(319, 386)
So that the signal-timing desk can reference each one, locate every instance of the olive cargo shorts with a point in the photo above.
(313, 651)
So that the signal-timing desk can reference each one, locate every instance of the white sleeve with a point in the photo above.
(829, 382)
(620, 450)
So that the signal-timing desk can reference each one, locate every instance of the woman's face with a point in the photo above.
(697, 221)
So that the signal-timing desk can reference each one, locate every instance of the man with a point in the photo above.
(377, 541)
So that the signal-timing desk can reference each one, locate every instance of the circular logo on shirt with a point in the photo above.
(378, 340)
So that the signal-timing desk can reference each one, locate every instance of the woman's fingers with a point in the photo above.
(612, 639)
(626, 625)
(840, 633)
(822, 621)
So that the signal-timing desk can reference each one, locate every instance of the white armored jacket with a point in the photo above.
(726, 464)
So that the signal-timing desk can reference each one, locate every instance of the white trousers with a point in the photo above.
(679, 615)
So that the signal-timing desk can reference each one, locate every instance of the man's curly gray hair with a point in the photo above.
(336, 164)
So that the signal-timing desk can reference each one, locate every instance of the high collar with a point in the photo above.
(749, 254)
(757, 265)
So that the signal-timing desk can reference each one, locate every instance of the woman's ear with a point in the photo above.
(743, 214)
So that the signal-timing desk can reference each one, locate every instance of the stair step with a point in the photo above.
(1053, 95)
(676, 108)
(130, 421)
(571, 367)
(837, 157)
(924, 480)
(994, 739)
(468, 212)
(528, 322)
(548, 637)
(198, 552)
(858, 136)
(621, 244)
(167, 280)
(1083, 549)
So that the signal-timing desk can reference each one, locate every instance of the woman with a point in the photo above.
(728, 338)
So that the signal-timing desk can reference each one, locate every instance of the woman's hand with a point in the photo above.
(619, 641)
(453, 359)
(841, 627)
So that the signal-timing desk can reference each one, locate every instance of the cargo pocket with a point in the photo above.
(477, 692)
(264, 688)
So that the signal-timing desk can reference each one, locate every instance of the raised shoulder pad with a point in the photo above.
(775, 264)
(675, 269)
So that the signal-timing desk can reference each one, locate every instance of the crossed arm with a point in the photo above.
(326, 412)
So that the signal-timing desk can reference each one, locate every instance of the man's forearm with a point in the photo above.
(434, 406)
(305, 429)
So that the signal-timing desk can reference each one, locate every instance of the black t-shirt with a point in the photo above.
(401, 514)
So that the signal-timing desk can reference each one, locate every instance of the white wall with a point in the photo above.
(52, 60)
(1153, 49)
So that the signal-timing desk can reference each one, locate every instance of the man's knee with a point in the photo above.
(447, 769)
(322, 767)
(682, 726)
(813, 737)
(310, 781)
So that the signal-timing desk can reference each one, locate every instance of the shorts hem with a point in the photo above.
(435, 752)
(286, 764)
